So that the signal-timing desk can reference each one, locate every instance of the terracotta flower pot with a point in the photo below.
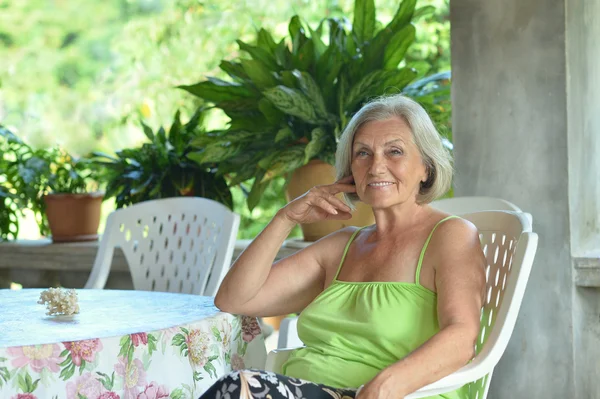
(316, 173)
(74, 217)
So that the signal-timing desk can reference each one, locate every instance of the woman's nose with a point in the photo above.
(378, 165)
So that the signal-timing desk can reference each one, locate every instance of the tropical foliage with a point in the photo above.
(289, 101)
(28, 174)
(82, 74)
(160, 168)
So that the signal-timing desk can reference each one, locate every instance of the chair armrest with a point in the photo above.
(276, 358)
(476, 369)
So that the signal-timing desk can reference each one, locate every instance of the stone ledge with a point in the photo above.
(42, 263)
(587, 271)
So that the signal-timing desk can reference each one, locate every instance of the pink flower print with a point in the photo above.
(133, 374)
(167, 334)
(24, 396)
(197, 343)
(237, 362)
(85, 350)
(154, 391)
(37, 357)
(109, 395)
(139, 338)
(250, 328)
(86, 385)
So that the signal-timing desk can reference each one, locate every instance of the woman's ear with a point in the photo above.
(426, 175)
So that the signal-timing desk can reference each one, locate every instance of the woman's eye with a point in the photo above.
(361, 153)
(396, 151)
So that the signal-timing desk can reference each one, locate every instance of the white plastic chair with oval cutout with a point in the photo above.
(182, 244)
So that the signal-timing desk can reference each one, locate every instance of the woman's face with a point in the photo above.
(386, 163)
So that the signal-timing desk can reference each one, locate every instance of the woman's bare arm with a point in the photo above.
(256, 286)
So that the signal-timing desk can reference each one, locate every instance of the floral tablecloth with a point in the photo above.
(122, 345)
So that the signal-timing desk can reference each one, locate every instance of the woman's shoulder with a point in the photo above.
(339, 237)
(453, 227)
(454, 237)
(329, 248)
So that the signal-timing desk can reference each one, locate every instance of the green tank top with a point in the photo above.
(353, 330)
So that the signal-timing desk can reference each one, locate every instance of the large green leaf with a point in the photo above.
(396, 49)
(147, 131)
(259, 54)
(328, 68)
(395, 81)
(283, 55)
(262, 77)
(305, 55)
(379, 44)
(175, 137)
(265, 41)
(217, 90)
(316, 144)
(251, 123)
(363, 25)
(362, 89)
(283, 134)
(258, 188)
(292, 102)
(234, 69)
(312, 91)
(315, 36)
(274, 116)
(285, 161)
(296, 33)
(403, 15)
(423, 12)
(216, 152)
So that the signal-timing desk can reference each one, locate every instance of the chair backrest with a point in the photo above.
(461, 205)
(509, 246)
(182, 244)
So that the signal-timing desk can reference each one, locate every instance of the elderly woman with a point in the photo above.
(388, 308)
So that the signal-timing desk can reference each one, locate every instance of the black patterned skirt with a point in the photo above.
(248, 384)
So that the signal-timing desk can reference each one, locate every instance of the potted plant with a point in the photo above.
(59, 188)
(289, 101)
(160, 168)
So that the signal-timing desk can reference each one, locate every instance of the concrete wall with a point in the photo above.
(583, 102)
(510, 135)
(583, 106)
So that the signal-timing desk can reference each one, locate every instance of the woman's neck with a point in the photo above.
(393, 221)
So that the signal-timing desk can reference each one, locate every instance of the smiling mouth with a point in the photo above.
(381, 184)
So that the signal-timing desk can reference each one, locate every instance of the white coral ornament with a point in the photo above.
(59, 301)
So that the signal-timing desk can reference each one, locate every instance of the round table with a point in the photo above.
(122, 344)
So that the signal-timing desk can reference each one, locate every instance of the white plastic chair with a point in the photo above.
(462, 205)
(509, 246)
(182, 244)
(288, 334)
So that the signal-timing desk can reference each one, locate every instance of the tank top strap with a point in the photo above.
(420, 263)
(346, 251)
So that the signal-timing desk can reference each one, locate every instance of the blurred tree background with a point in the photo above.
(82, 74)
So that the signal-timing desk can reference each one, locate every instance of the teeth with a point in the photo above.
(380, 184)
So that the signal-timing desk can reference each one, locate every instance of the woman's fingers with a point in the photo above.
(344, 185)
(326, 205)
(338, 203)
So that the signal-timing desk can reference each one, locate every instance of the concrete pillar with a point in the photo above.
(510, 113)
(583, 114)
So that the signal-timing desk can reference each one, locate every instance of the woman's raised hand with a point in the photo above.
(320, 203)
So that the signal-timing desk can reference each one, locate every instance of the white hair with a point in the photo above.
(436, 158)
